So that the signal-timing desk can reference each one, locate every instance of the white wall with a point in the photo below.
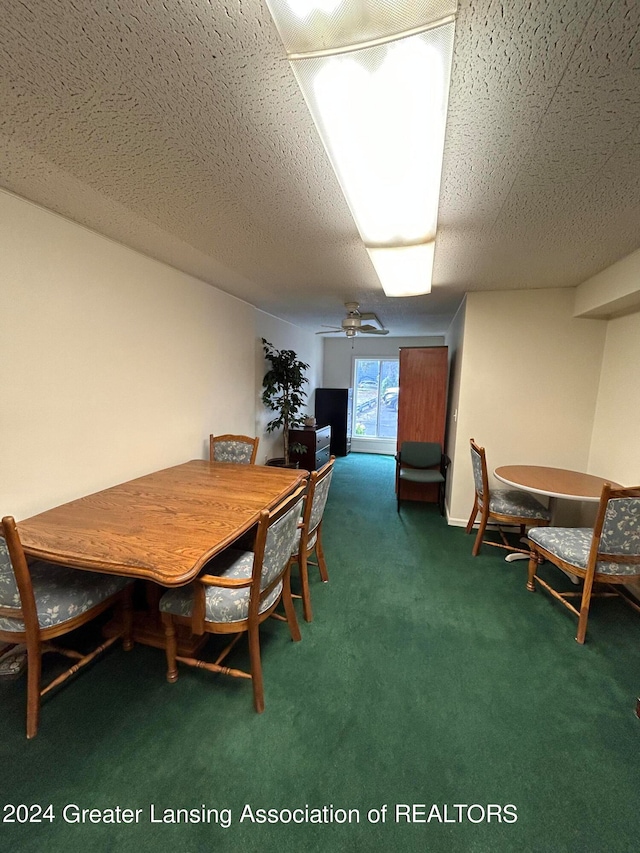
(113, 364)
(308, 348)
(529, 379)
(340, 353)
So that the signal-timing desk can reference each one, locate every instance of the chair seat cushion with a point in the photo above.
(572, 544)
(62, 594)
(221, 604)
(421, 475)
(517, 503)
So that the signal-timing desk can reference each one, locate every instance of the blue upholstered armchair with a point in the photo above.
(504, 506)
(608, 555)
(236, 592)
(43, 601)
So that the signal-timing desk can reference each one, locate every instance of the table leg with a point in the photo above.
(148, 629)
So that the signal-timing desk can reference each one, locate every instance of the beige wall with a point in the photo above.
(455, 342)
(612, 292)
(113, 364)
(529, 377)
(615, 449)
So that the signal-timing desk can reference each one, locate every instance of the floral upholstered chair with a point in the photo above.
(609, 554)
(236, 592)
(241, 449)
(504, 506)
(309, 537)
(44, 601)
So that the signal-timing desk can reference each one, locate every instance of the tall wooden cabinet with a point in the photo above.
(333, 407)
(422, 406)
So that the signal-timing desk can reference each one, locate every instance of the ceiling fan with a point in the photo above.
(352, 324)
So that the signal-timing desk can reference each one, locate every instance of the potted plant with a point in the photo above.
(284, 394)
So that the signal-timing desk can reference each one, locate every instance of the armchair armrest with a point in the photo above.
(227, 583)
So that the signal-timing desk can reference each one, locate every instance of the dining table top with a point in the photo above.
(162, 526)
(553, 482)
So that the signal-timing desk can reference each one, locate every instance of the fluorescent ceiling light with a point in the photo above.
(404, 270)
(305, 8)
(375, 75)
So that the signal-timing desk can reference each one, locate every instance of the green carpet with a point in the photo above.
(428, 679)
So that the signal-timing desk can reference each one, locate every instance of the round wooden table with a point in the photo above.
(553, 482)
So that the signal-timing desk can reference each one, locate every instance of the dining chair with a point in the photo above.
(608, 554)
(309, 536)
(422, 462)
(42, 601)
(512, 507)
(236, 592)
(241, 449)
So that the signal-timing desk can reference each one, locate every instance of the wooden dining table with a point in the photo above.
(161, 527)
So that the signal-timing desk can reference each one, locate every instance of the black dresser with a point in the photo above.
(317, 444)
(333, 407)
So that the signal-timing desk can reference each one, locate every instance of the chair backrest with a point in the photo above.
(420, 454)
(616, 533)
(16, 592)
(241, 449)
(479, 465)
(275, 540)
(317, 495)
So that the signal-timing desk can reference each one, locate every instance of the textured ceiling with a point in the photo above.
(177, 129)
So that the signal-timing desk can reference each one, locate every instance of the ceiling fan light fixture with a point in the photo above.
(404, 270)
(375, 76)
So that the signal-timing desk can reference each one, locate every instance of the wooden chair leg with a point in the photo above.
(34, 671)
(303, 571)
(289, 609)
(171, 647)
(584, 609)
(481, 529)
(472, 517)
(533, 565)
(322, 563)
(256, 665)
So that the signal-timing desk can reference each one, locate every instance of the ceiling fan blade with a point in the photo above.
(326, 326)
(331, 332)
(369, 330)
(369, 316)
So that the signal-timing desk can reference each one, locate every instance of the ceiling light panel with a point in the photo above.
(375, 75)
(307, 26)
(404, 270)
(381, 113)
